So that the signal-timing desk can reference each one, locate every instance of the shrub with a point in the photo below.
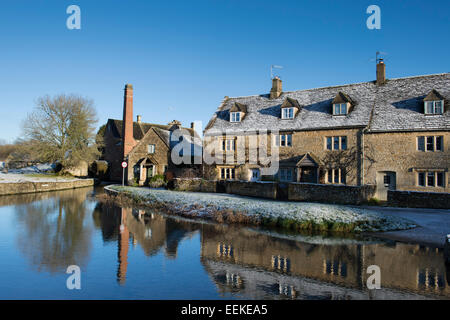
(157, 181)
(374, 202)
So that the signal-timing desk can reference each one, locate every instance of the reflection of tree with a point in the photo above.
(52, 232)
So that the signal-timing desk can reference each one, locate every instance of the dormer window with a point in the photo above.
(340, 109)
(287, 113)
(434, 107)
(434, 103)
(235, 117)
(342, 104)
(290, 108)
(237, 112)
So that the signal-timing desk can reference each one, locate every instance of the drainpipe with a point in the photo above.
(362, 161)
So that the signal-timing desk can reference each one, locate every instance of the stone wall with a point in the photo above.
(30, 187)
(252, 189)
(340, 194)
(397, 152)
(414, 199)
(194, 185)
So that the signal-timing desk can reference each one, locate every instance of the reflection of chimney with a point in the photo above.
(127, 130)
(122, 255)
(138, 119)
(381, 72)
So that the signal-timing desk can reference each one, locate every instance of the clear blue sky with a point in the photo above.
(183, 57)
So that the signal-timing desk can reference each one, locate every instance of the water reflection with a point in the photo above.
(152, 232)
(262, 267)
(57, 229)
(52, 233)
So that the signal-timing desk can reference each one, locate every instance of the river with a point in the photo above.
(125, 253)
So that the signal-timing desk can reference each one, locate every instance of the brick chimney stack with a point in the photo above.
(381, 72)
(276, 90)
(127, 130)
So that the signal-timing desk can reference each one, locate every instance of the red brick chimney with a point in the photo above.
(127, 130)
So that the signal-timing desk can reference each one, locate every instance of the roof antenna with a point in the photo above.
(378, 57)
(274, 66)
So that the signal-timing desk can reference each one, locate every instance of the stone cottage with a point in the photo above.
(392, 133)
(146, 147)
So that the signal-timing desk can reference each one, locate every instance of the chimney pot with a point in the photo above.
(138, 119)
(276, 90)
(381, 72)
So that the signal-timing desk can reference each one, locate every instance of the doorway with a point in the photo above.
(386, 180)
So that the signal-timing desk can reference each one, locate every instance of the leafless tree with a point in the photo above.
(62, 128)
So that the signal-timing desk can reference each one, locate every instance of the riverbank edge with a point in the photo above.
(242, 217)
(12, 188)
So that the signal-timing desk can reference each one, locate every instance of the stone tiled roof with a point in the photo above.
(400, 107)
(140, 129)
(395, 106)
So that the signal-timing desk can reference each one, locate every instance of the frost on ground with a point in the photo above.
(18, 178)
(204, 205)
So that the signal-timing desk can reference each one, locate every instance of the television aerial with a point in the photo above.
(274, 66)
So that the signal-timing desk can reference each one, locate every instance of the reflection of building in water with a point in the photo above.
(151, 232)
(274, 268)
(124, 238)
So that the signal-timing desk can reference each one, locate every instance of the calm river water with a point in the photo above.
(124, 253)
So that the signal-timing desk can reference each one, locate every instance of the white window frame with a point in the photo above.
(252, 174)
(435, 179)
(340, 113)
(235, 116)
(332, 143)
(287, 113)
(333, 176)
(434, 103)
(149, 148)
(228, 145)
(227, 173)
(287, 139)
(425, 143)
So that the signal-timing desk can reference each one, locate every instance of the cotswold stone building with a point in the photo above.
(146, 147)
(392, 133)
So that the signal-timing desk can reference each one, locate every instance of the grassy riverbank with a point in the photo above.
(225, 208)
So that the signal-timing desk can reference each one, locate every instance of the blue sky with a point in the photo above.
(183, 57)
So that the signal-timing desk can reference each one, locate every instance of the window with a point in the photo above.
(421, 179)
(281, 263)
(227, 173)
(434, 107)
(287, 113)
(336, 176)
(431, 179)
(439, 143)
(151, 148)
(235, 117)
(284, 140)
(228, 145)
(431, 143)
(336, 143)
(225, 250)
(285, 174)
(339, 109)
(421, 143)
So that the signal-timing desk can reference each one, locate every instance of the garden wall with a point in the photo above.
(194, 185)
(252, 189)
(415, 199)
(30, 187)
(339, 194)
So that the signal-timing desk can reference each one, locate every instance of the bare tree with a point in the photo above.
(62, 128)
